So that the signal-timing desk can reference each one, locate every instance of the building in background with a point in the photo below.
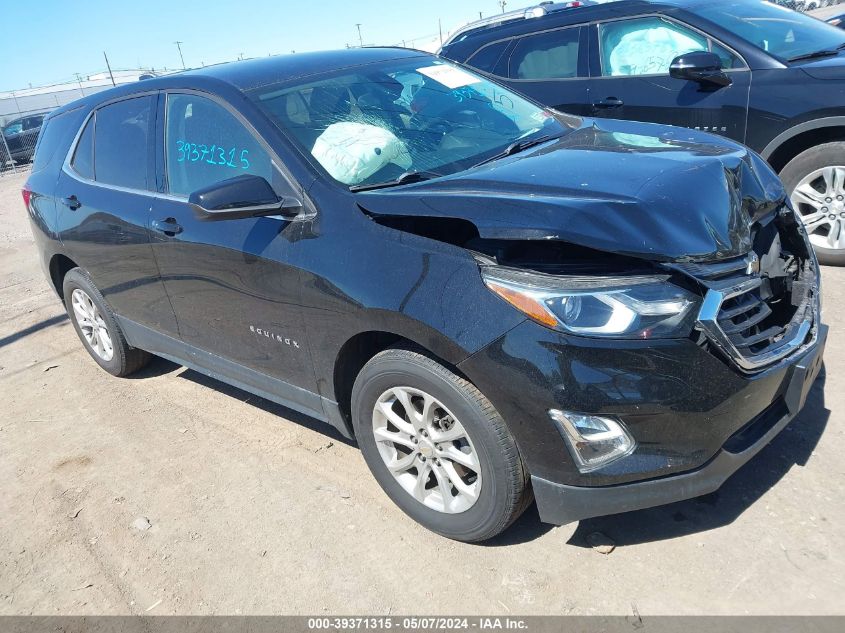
(17, 103)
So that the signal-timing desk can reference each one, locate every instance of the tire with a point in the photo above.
(499, 483)
(807, 170)
(92, 308)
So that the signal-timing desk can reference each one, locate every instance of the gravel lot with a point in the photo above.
(173, 493)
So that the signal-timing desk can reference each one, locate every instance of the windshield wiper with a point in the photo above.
(402, 179)
(517, 146)
(822, 53)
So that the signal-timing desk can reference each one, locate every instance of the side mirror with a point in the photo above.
(700, 66)
(241, 197)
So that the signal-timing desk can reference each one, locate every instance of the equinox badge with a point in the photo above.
(276, 337)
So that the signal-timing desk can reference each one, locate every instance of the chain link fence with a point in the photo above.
(17, 141)
(22, 112)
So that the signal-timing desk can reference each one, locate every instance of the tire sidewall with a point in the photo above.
(77, 278)
(808, 161)
(380, 376)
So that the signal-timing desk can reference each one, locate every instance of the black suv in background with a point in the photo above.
(21, 136)
(753, 71)
(491, 298)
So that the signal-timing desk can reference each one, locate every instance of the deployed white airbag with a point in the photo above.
(650, 51)
(352, 152)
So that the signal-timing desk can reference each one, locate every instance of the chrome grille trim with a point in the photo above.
(803, 326)
(730, 279)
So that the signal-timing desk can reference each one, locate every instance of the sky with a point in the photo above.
(69, 36)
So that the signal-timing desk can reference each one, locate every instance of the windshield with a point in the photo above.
(375, 123)
(13, 128)
(781, 32)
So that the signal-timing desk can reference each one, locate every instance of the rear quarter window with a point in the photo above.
(83, 155)
(486, 57)
(55, 138)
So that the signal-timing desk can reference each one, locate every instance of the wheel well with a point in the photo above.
(59, 267)
(357, 351)
(800, 142)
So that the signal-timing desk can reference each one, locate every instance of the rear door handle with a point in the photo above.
(71, 202)
(607, 103)
(168, 226)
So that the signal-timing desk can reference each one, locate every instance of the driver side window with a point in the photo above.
(647, 46)
(205, 144)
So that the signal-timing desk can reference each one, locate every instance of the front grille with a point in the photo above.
(741, 318)
(758, 308)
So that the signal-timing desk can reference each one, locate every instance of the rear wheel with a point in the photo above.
(815, 182)
(437, 446)
(97, 327)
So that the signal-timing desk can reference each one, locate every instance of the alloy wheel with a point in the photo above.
(427, 450)
(91, 324)
(819, 199)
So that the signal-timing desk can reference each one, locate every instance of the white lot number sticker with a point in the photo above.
(449, 76)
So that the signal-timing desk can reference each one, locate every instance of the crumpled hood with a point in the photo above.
(649, 191)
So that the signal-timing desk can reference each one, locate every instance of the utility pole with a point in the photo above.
(360, 39)
(440, 28)
(109, 67)
(17, 105)
(179, 46)
(503, 4)
(79, 81)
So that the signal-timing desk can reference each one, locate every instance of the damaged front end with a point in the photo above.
(688, 240)
(765, 306)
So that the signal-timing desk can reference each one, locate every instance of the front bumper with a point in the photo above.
(696, 420)
(561, 504)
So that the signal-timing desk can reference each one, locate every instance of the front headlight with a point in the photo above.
(615, 307)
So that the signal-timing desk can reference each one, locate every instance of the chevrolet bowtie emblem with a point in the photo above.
(753, 267)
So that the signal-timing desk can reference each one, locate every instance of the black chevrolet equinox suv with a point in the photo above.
(752, 71)
(496, 301)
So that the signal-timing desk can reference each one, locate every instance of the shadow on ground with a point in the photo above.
(159, 367)
(793, 446)
(32, 329)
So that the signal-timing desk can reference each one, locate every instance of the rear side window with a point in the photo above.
(205, 144)
(83, 155)
(57, 134)
(551, 55)
(122, 143)
(487, 57)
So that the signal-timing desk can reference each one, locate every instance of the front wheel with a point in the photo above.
(815, 182)
(437, 446)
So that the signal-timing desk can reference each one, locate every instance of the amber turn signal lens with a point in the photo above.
(524, 303)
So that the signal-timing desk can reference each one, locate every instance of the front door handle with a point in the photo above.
(607, 103)
(71, 202)
(168, 226)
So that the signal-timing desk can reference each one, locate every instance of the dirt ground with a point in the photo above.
(172, 493)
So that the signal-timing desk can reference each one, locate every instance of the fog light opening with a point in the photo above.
(593, 441)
